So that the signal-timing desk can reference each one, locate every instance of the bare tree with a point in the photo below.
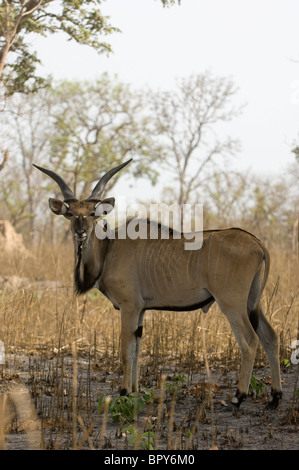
(97, 125)
(265, 206)
(81, 129)
(226, 195)
(186, 121)
(25, 128)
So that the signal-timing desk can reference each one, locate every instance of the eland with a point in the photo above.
(230, 268)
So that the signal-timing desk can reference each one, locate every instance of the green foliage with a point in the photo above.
(173, 388)
(168, 3)
(20, 74)
(125, 409)
(256, 386)
(16, 207)
(81, 21)
(295, 150)
(99, 125)
(80, 130)
(286, 363)
(143, 440)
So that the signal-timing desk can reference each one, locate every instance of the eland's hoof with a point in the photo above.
(236, 402)
(231, 408)
(273, 404)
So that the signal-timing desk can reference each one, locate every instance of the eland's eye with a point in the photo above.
(92, 214)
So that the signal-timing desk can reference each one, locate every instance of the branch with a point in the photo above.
(31, 6)
(4, 161)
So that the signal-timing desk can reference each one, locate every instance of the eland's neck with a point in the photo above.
(89, 261)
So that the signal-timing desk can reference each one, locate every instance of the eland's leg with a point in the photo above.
(247, 341)
(129, 347)
(270, 343)
(138, 335)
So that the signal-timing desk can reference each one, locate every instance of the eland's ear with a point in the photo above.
(105, 207)
(58, 207)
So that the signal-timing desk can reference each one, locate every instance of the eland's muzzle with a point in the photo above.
(80, 235)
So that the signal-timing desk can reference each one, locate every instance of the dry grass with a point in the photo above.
(39, 321)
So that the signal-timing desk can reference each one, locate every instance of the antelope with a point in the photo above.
(230, 268)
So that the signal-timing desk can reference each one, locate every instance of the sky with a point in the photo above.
(255, 43)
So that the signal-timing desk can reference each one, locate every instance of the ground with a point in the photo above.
(37, 402)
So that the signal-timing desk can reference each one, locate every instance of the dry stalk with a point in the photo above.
(86, 435)
(104, 421)
(27, 413)
(4, 420)
(74, 396)
(160, 408)
(170, 423)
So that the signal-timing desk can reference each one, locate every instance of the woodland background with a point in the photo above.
(181, 140)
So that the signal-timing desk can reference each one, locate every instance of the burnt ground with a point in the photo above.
(36, 394)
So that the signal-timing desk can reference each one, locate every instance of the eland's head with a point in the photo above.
(82, 213)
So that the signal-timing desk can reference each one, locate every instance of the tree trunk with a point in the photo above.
(3, 55)
(295, 238)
